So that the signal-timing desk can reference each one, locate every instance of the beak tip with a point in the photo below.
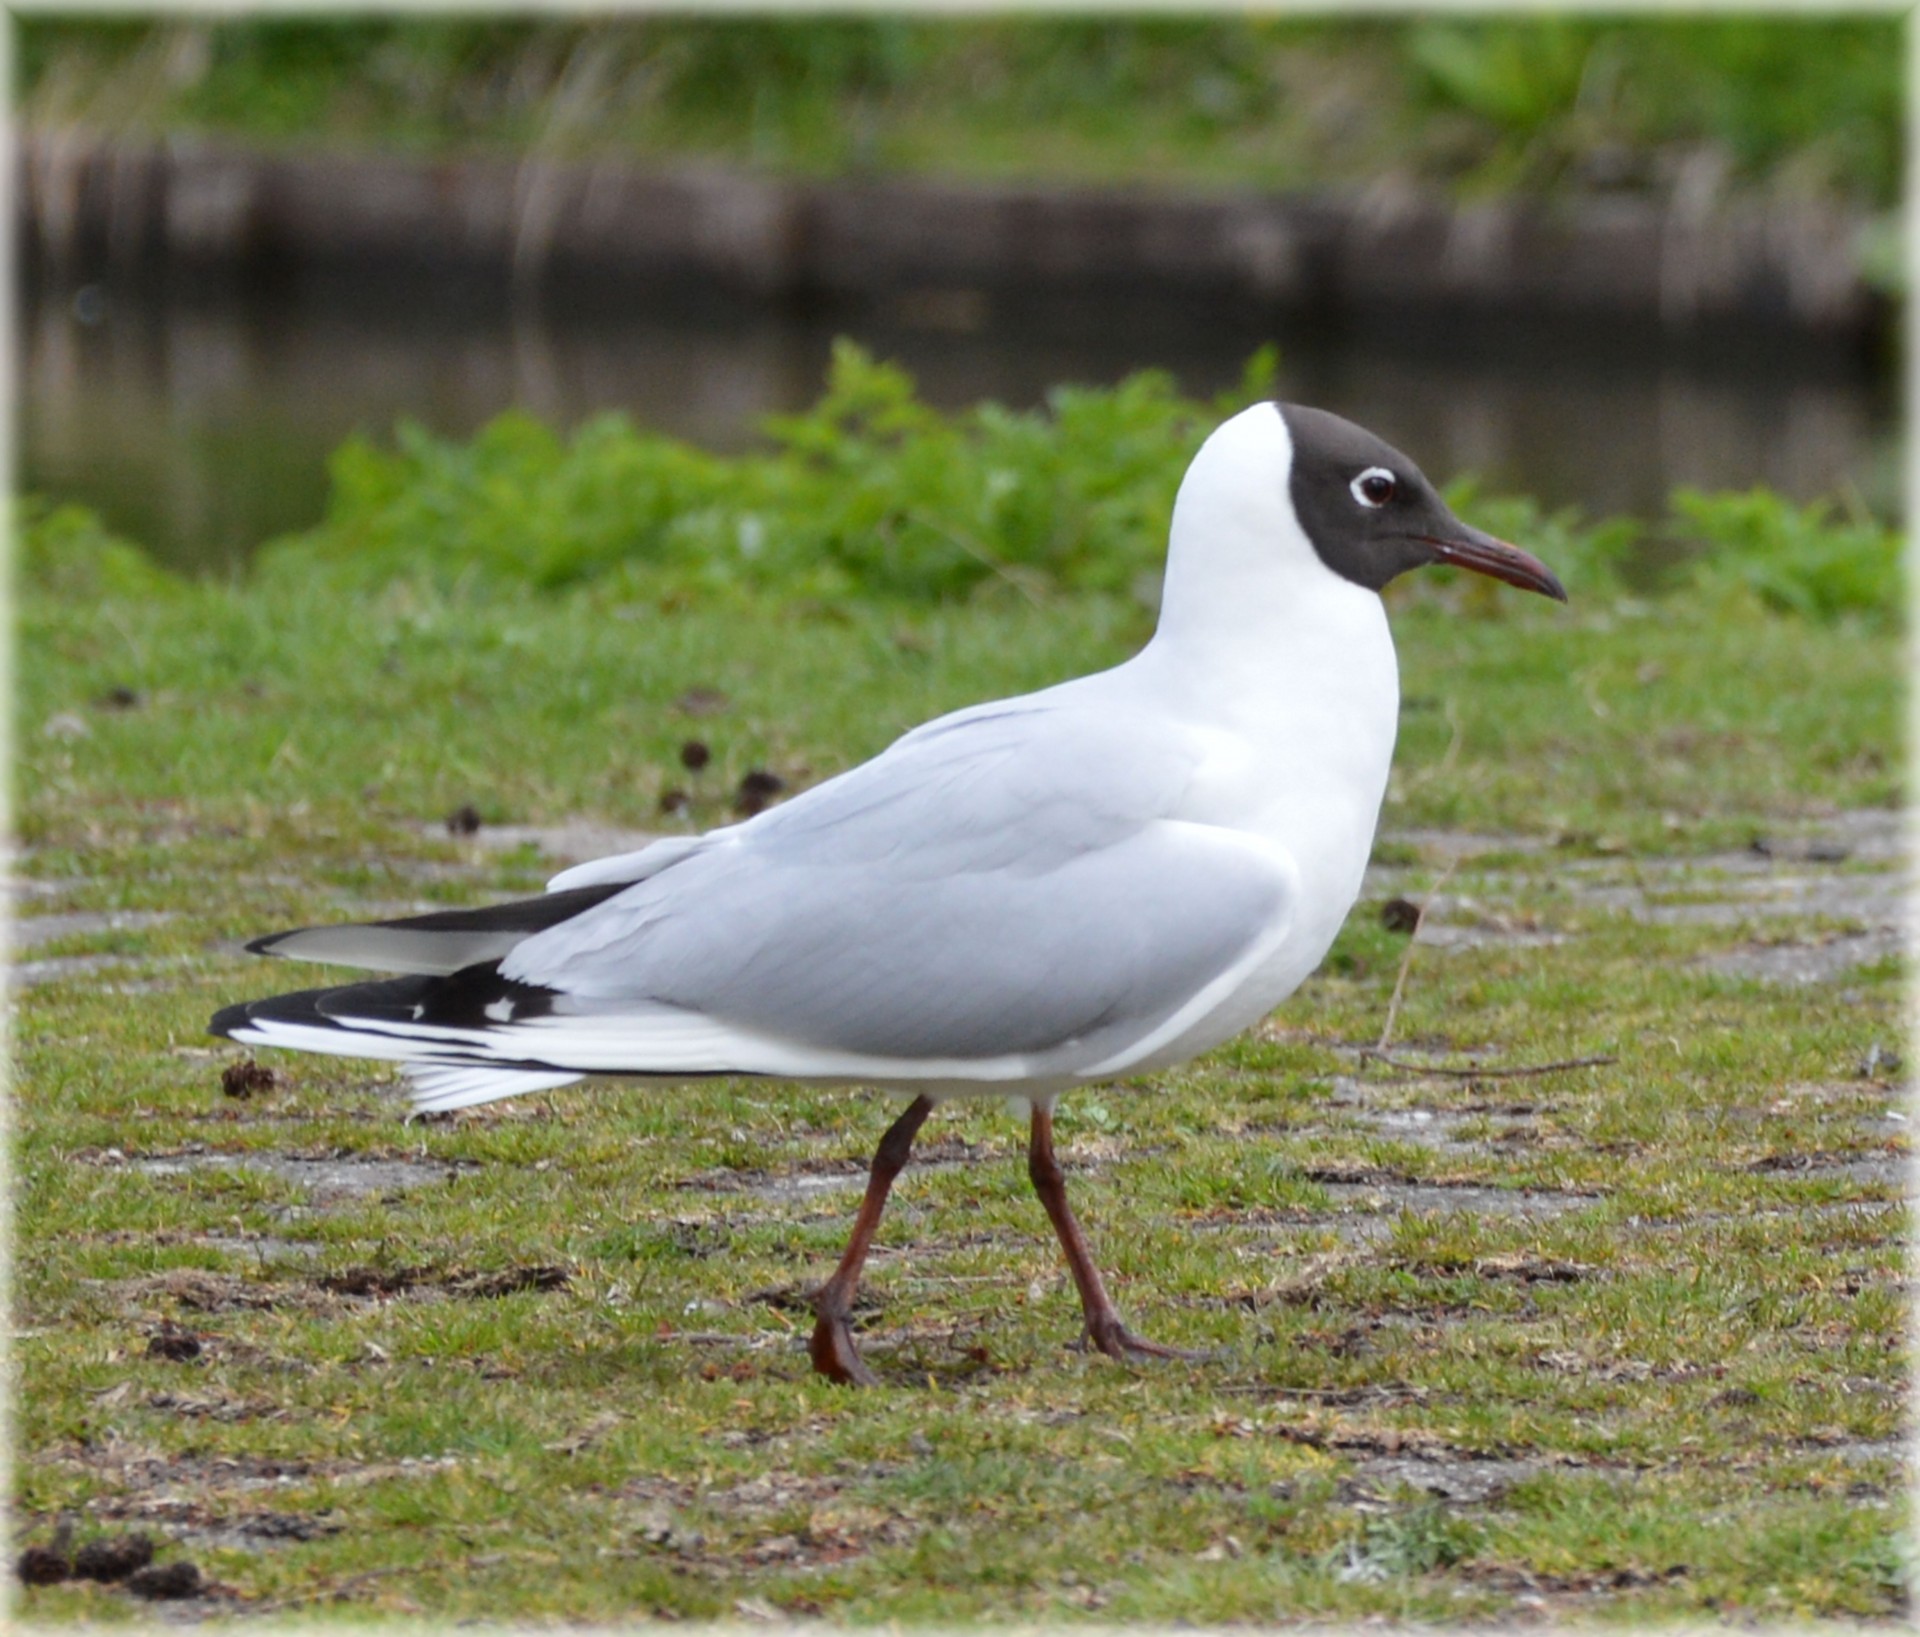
(1483, 554)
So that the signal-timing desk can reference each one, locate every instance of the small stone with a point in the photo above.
(167, 1580)
(464, 820)
(695, 754)
(121, 698)
(65, 725)
(1400, 915)
(242, 1080)
(112, 1559)
(42, 1566)
(756, 790)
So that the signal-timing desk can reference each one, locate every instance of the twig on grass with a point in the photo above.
(1372, 1054)
(1406, 961)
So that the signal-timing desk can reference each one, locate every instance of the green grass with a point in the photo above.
(1683, 1365)
(1793, 105)
(1622, 1340)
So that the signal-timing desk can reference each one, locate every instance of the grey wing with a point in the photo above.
(1008, 882)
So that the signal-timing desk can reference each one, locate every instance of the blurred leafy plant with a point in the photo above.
(871, 492)
(1800, 101)
(1519, 75)
(1409, 1541)
(67, 551)
(1805, 560)
(874, 494)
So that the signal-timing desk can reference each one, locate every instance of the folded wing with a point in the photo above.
(1005, 893)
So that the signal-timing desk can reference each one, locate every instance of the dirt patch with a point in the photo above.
(19, 889)
(199, 1291)
(36, 931)
(1511, 1124)
(1373, 1191)
(1532, 1589)
(261, 1248)
(1487, 931)
(326, 1178)
(1860, 1451)
(823, 1527)
(196, 1290)
(1464, 1481)
(1372, 1209)
(830, 1174)
(160, 1488)
(215, 1407)
(1814, 872)
(55, 968)
(1888, 1168)
(256, 1531)
(1866, 834)
(1797, 878)
(384, 1282)
(1814, 961)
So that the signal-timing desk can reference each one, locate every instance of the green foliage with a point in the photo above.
(1810, 98)
(1804, 560)
(1519, 76)
(65, 551)
(1296, 101)
(1415, 1540)
(870, 492)
(874, 494)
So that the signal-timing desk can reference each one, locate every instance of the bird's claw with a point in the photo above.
(835, 1356)
(1117, 1341)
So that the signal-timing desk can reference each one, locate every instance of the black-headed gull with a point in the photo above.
(1103, 878)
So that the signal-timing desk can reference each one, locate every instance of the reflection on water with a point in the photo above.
(203, 429)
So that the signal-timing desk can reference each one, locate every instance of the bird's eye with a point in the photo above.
(1373, 488)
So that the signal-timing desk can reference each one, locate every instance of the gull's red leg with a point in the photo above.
(832, 1349)
(1104, 1328)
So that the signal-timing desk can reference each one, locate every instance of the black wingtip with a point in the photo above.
(302, 1006)
(227, 1019)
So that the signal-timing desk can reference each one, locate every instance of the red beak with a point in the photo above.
(1486, 555)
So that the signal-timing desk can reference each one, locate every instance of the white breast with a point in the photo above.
(1287, 671)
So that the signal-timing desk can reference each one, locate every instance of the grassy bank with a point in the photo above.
(1620, 1339)
(1795, 105)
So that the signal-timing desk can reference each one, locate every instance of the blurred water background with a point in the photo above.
(198, 417)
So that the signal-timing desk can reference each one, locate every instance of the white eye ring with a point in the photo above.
(1372, 478)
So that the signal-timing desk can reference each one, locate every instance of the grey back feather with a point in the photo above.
(1003, 881)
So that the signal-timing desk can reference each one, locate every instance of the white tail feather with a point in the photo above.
(437, 1087)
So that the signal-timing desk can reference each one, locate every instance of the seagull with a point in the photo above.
(1103, 878)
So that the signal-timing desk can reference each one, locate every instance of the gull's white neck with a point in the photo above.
(1287, 662)
(1251, 619)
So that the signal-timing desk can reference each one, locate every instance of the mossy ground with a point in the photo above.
(1623, 1340)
